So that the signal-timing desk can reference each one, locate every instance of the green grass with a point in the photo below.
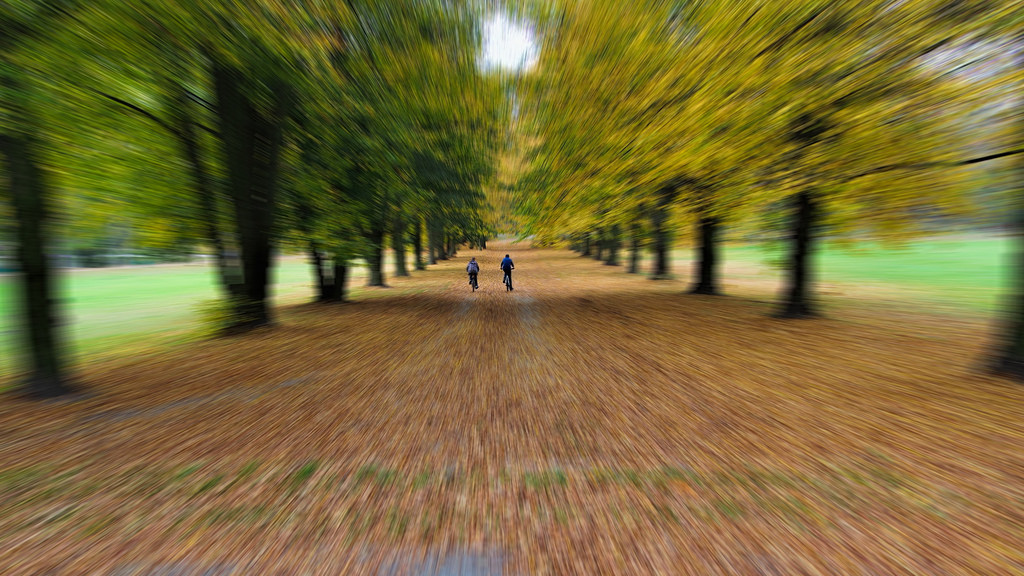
(115, 311)
(965, 272)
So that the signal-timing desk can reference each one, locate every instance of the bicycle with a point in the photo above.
(507, 281)
(473, 282)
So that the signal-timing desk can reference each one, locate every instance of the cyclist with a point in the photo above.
(507, 266)
(473, 269)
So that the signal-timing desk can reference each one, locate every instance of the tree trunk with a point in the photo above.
(599, 245)
(398, 240)
(662, 237)
(442, 245)
(1010, 359)
(417, 243)
(334, 289)
(324, 287)
(707, 255)
(230, 277)
(634, 250)
(453, 247)
(340, 281)
(30, 197)
(375, 261)
(252, 146)
(586, 245)
(431, 243)
(612, 256)
(797, 292)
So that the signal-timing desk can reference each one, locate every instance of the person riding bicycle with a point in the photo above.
(507, 266)
(472, 269)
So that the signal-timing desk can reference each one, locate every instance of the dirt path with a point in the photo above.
(589, 422)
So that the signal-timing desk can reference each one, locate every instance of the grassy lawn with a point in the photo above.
(965, 272)
(116, 311)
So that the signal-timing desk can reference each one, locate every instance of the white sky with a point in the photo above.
(507, 44)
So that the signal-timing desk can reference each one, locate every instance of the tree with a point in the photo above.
(630, 101)
(21, 26)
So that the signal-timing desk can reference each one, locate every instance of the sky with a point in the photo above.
(507, 44)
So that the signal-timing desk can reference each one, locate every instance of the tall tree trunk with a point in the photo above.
(30, 197)
(375, 261)
(442, 245)
(586, 244)
(417, 242)
(706, 264)
(252, 146)
(797, 291)
(662, 236)
(614, 241)
(634, 249)
(432, 242)
(334, 287)
(453, 247)
(323, 285)
(599, 245)
(1010, 359)
(340, 280)
(398, 240)
(230, 276)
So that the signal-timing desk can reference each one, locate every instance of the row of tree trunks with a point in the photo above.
(440, 246)
(796, 298)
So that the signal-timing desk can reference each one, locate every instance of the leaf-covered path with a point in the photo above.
(590, 422)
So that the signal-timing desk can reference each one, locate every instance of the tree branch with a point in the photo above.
(927, 165)
(200, 100)
(992, 157)
(786, 37)
(155, 119)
